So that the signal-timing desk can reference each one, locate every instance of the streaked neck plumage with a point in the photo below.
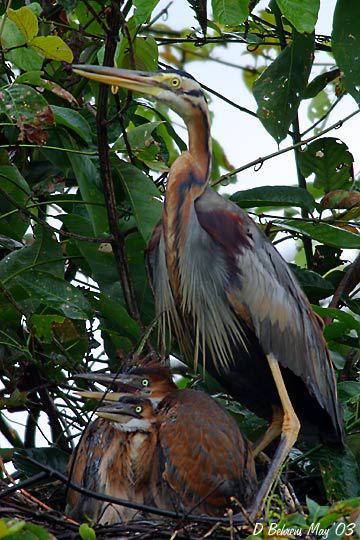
(188, 178)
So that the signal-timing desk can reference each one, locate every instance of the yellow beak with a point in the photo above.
(137, 81)
(109, 396)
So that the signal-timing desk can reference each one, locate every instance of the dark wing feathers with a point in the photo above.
(281, 314)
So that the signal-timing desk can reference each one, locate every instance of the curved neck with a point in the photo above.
(188, 178)
(200, 142)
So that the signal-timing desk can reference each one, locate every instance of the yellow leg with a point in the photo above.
(273, 431)
(289, 433)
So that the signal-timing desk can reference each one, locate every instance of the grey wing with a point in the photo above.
(266, 289)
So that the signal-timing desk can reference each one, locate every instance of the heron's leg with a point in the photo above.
(289, 433)
(273, 431)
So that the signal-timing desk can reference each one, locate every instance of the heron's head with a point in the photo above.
(129, 413)
(153, 381)
(177, 89)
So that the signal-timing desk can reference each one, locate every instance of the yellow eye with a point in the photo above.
(175, 82)
(145, 382)
(138, 409)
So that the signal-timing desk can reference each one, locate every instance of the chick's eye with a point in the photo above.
(145, 382)
(138, 409)
(175, 82)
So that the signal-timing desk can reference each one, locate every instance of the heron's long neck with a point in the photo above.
(190, 173)
(188, 179)
(200, 144)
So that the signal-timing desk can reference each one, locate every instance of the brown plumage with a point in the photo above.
(115, 458)
(201, 458)
(225, 291)
(206, 460)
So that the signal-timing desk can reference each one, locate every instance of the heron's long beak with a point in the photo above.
(107, 396)
(137, 81)
(122, 382)
(120, 414)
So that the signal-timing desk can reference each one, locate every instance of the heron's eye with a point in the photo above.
(175, 82)
(145, 382)
(138, 409)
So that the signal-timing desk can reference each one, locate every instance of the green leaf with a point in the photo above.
(144, 9)
(86, 532)
(29, 109)
(55, 292)
(323, 232)
(143, 196)
(339, 472)
(88, 179)
(100, 263)
(44, 253)
(146, 54)
(314, 285)
(72, 120)
(302, 14)
(23, 57)
(319, 83)
(11, 181)
(331, 162)
(274, 196)
(118, 317)
(43, 325)
(52, 47)
(31, 77)
(39, 532)
(10, 527)
(318, 106)
(26, 21)
(139, 137)
(230, 12)
(52, 457)
(349, 320)
(349, 391)
(279, 89)
(346, 44)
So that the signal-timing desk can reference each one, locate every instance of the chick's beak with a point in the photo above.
(137, 81)
(120, 414)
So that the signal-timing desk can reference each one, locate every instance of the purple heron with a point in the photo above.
(227, 294)
(115, 457)
(202, 459)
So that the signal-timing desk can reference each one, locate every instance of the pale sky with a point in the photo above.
(242, 136)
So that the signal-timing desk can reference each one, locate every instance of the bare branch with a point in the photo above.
(346, 285)
(261, 160)
(118, 244)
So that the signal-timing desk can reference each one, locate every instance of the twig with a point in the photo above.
(106, 176)
(28, 495)
(346, 285)
(49, 147)
(49, 472)
(296, 137)
(217, 60)
(97, 17)
(61, 232)
(261, 160)
(302, 183)
(324, 116)
(164, 11)
(220, 96)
